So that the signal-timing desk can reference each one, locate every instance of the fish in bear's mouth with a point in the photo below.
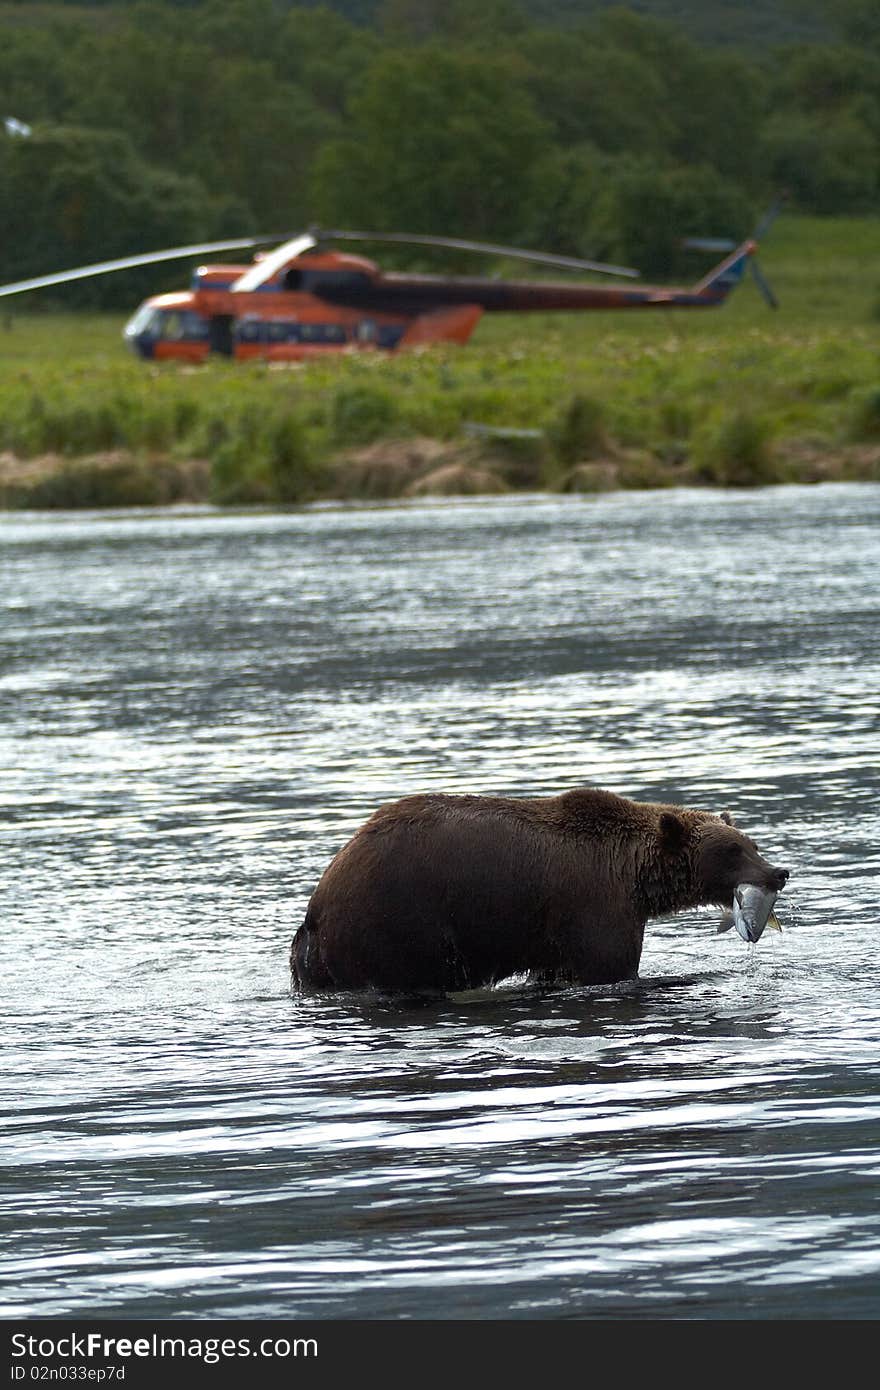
(751, 912)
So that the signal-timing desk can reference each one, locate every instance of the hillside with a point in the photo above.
(750, 23)
(746, 23)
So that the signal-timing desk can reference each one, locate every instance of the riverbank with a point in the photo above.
(738, 396)
(400, 469)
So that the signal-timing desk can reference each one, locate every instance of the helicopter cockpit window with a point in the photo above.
(144, 321)
(179, 325)
(172, 326)
(194, 326)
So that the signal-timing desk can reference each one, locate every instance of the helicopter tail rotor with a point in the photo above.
(722, 245)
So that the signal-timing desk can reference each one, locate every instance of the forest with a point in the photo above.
(590, 130)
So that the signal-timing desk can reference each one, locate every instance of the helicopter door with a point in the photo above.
(220, 334)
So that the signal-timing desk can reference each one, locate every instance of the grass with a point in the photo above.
(737, 396)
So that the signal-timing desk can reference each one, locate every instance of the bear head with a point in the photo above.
(723, 859)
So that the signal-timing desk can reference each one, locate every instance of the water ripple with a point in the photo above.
(197, 710)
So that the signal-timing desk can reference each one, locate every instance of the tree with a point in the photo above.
(826, 164)
(858, 20)
(69, 197)
(415, 21)
(229, 121)
(442, 141)
(644, 213)
(830, 81)
(594, 90)
(567, 187)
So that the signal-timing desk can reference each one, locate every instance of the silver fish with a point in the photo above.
(752, 911)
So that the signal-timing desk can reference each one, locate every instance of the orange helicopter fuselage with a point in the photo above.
(286, 320)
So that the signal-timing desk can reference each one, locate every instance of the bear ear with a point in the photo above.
(727, 818)
(673, 833)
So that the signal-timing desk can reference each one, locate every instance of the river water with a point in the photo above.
(197, 711)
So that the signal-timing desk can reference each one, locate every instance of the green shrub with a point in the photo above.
(864, 420)
(590, 477)
(733, 451)
(293, 476)
(360, 414)
(262, 458)
(185, 416)
(240, 474)
(578, 432)
(520, 458)
(641, 470)
(240, 467)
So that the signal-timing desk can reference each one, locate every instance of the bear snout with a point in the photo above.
(780, 878)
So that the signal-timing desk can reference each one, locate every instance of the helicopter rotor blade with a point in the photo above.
(768, 219)
(180, 253)
(487, 248)
(263, 270)
(763, 226)
(708, 243)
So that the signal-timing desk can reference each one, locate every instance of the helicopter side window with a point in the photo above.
(389, 335)
(194, 326)
(322, 333)
(278, 332)
(249, 331)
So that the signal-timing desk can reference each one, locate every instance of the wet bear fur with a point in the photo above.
(445, 893)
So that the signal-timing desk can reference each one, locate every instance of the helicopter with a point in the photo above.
(305, 298)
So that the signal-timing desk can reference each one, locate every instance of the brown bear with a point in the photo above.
(445, 893)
